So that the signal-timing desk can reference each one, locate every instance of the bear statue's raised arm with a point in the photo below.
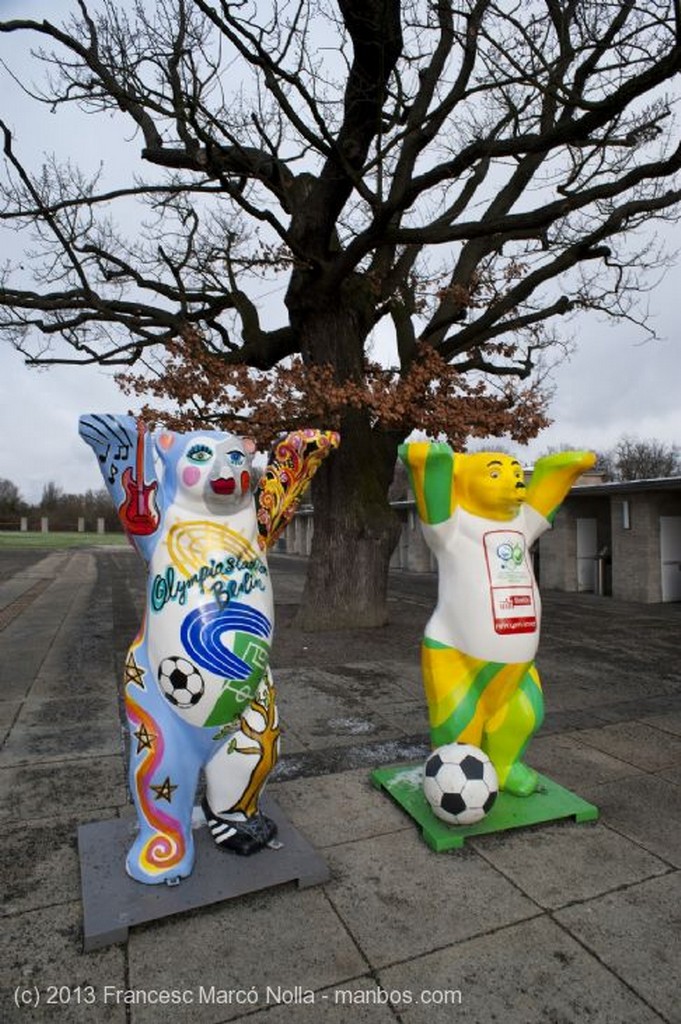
(292, 463)
(552, 478)
(125, 454)
(430, 466)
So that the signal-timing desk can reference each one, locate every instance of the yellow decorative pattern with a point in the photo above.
(293, 463)
(192, 544)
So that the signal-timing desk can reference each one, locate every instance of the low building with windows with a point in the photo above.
(619, 539)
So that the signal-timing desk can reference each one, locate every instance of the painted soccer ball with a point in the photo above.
(181, 682)
(460, 783)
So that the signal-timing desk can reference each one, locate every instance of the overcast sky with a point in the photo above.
(615, 383)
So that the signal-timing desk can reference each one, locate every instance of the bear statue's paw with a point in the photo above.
(521, 780)
(137, 864)
(243, 836)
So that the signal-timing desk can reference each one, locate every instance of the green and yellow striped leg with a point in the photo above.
(491, 705)
(508, 732)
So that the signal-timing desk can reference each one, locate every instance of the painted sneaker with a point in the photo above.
(244, 836)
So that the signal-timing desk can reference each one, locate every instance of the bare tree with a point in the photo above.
(636, 459)
(11, 502)
(467, 172)
(51, 497)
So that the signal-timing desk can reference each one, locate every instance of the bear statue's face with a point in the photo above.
(212, 470)
(490, 484)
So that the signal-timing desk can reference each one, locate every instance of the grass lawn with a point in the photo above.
(16, 539)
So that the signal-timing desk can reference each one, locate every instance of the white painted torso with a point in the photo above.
(488, 600)
(201, 558)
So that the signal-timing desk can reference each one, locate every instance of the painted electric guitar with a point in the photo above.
(139, 512)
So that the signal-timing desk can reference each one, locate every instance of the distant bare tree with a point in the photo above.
(51, 497)
(11, 502)
(64, 510)
(635, 459)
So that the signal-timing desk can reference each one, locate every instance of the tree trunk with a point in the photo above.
(355, 530)
(355, 533)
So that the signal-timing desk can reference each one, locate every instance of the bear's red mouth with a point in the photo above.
(222, 486)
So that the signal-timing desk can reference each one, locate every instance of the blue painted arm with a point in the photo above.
(124, 452)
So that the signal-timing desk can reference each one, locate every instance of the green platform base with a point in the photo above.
(549, 803)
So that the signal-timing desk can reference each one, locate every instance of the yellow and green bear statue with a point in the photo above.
(480, 519)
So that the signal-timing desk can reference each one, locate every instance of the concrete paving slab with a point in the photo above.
(367, 754)
(30, 791)
(671, 774)
(290, 742)
(639, 744)
(399, 899)
(285, 937)
(636, 933)
(560, 864)
(568, 721)
(356, 1000)
(584, 688)
(618, 671)
(616, 656)
(13, 589)
(19, 561)
(54, 563)
(43, 954)
(82, 652)
(669, 722)
(42, 743)
(23, 651)
(409, 716)
(39, 863)
(93, 681)
(645, 808)
(351, 690)
(338, 808)
(331, 709)
(27, 641)
(91, 708)
(405, 674)
(568, 761)
(600, 687)
(318, 732)
(529, 973)
(297, 648)
(636, 709)
(9, 709)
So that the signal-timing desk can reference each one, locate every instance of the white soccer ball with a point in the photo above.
(460, 783)
(181, 682)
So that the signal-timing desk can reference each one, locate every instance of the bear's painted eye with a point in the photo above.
(200, 453)
(236, 458)
(494, 473)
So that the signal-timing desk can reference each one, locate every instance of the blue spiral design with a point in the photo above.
(202, 629)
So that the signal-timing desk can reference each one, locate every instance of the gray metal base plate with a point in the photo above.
(113, 902)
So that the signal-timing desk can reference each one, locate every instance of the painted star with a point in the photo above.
(145, 739)
(165, 790)
(133, 672)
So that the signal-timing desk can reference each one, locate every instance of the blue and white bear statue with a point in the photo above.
(198, 689)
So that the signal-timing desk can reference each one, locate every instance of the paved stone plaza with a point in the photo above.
(560, 923)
